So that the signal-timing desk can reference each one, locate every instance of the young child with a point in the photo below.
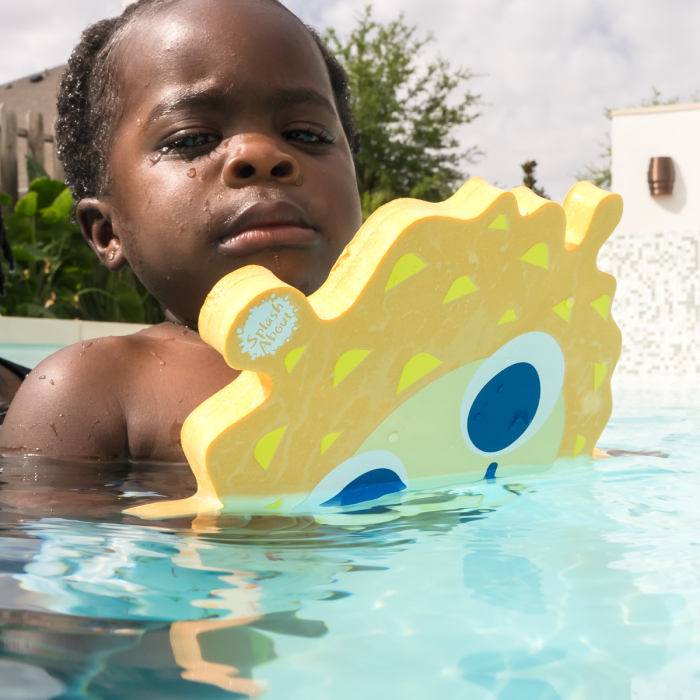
(197, 136)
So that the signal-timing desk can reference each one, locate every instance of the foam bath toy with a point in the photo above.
(453, 342)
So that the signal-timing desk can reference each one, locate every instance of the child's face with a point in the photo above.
(259, 170)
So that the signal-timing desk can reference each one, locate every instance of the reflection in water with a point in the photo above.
(564, 585)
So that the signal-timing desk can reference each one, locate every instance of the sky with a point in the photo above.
(548, 68)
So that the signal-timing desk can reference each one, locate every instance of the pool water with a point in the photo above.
(581, 583)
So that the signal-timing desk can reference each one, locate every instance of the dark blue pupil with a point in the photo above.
(372, 484)
(504, 408)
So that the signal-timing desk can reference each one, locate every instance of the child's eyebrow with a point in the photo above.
(283, 97)
(289, 97)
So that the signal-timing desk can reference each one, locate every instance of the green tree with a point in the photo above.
(57, 274)
(599, 173)
(530, 179)
(407, 108)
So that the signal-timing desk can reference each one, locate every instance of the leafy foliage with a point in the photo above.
(57, 274)
(529, 179)
(407, 108)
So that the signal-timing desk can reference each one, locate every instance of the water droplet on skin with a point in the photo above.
(300, 181)
(155, 158)
(393, 437)
(191, 172)
(86, 343)
(161, 363)
(51, 382)
(43, 376)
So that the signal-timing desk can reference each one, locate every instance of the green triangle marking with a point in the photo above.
(406, 266)
(346, 363)
(500, 223)
(537, 255)
(416, 368)
(328, 440)
(292, 357)
(563, 309)
(267, 446)
(460, 288)
(599, 374)
(507, 317)
(602, 306)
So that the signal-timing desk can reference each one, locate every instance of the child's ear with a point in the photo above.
(95, 220)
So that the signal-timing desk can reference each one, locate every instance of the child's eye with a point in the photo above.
(310, 136)
(186, 144)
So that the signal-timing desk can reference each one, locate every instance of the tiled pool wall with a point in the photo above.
(657, 304)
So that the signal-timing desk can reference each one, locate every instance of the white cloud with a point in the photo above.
(550, 66)
(39, 34)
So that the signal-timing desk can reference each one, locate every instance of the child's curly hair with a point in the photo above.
(88, 98)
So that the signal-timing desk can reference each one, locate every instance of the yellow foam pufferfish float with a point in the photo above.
(452, 342)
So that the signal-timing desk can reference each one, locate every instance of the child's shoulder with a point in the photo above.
(115, 398)
(79, 390)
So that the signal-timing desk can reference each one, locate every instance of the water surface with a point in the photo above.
(583, 583)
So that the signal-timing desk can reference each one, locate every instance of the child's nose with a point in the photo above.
(258, 158)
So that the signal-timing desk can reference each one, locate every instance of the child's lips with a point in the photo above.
(268, 224)
(269, 235)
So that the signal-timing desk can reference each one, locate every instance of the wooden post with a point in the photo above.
(8, 152)
(35, 137)
(58, 172)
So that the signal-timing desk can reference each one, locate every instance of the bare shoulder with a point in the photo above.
(70, 406)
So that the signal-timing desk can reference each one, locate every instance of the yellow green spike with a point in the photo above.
(563, 309)
(460, 288)
(406, 266)
(507, 317)
(267, 446)
(275, 505)
(346, 363)
(602, 306)
(500, 223)
(537, 255)
(292, 357)
(328, 440)
(416, 368)
(580, 444)
(599, 374)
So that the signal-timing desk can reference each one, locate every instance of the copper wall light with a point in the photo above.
(661, 176)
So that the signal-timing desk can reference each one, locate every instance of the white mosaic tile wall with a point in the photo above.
(657, 304)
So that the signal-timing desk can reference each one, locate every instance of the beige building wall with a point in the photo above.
(23, 96)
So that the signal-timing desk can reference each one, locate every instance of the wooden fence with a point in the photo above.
(36, 138)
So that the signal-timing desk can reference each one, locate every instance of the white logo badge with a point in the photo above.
(269, 326)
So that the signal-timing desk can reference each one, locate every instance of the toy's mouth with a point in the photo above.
(266, 225)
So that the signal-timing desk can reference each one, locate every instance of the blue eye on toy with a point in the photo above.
(512, 394)
(359, 480)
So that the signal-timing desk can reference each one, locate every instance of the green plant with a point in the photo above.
(57, 275)
(407, 108)
(529, 178)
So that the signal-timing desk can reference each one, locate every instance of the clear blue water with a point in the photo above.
(577, 584)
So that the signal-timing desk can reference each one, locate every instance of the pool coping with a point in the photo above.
(51, 331)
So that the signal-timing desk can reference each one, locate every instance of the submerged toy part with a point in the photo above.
(452, 342)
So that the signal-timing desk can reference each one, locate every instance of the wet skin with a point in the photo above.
(229, 151)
